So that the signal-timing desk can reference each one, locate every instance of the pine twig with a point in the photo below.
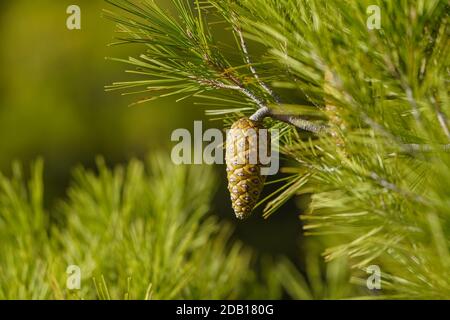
(220, 85)
(247, 60)
(392, 187)
(415, 147)
(442, 119)
(443, 123)
(293, 120)
(264, 110)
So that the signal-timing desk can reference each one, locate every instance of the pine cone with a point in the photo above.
(245, 181)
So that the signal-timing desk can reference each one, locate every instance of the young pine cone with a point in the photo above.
(245, 181)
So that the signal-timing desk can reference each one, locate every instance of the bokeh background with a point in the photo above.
(53, 105)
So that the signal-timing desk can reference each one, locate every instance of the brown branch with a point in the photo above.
(264, 110)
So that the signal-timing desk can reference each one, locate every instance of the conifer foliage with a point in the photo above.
(363, 114)
(135, 232)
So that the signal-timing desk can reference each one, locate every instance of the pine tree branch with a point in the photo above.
(415, 147)
(443, 123)
(264, 110)
(293, 120)
(247, 60)
(393, 187)
(220, 85)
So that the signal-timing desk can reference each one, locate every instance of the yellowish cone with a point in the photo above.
(245, 181)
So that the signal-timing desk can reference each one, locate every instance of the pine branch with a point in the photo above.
(247, 60)
(217, 76)
(386, 195)
(385, 199)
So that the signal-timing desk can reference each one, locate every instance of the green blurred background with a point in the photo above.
(53, 105)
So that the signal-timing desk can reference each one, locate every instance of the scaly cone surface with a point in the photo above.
(245, 181)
